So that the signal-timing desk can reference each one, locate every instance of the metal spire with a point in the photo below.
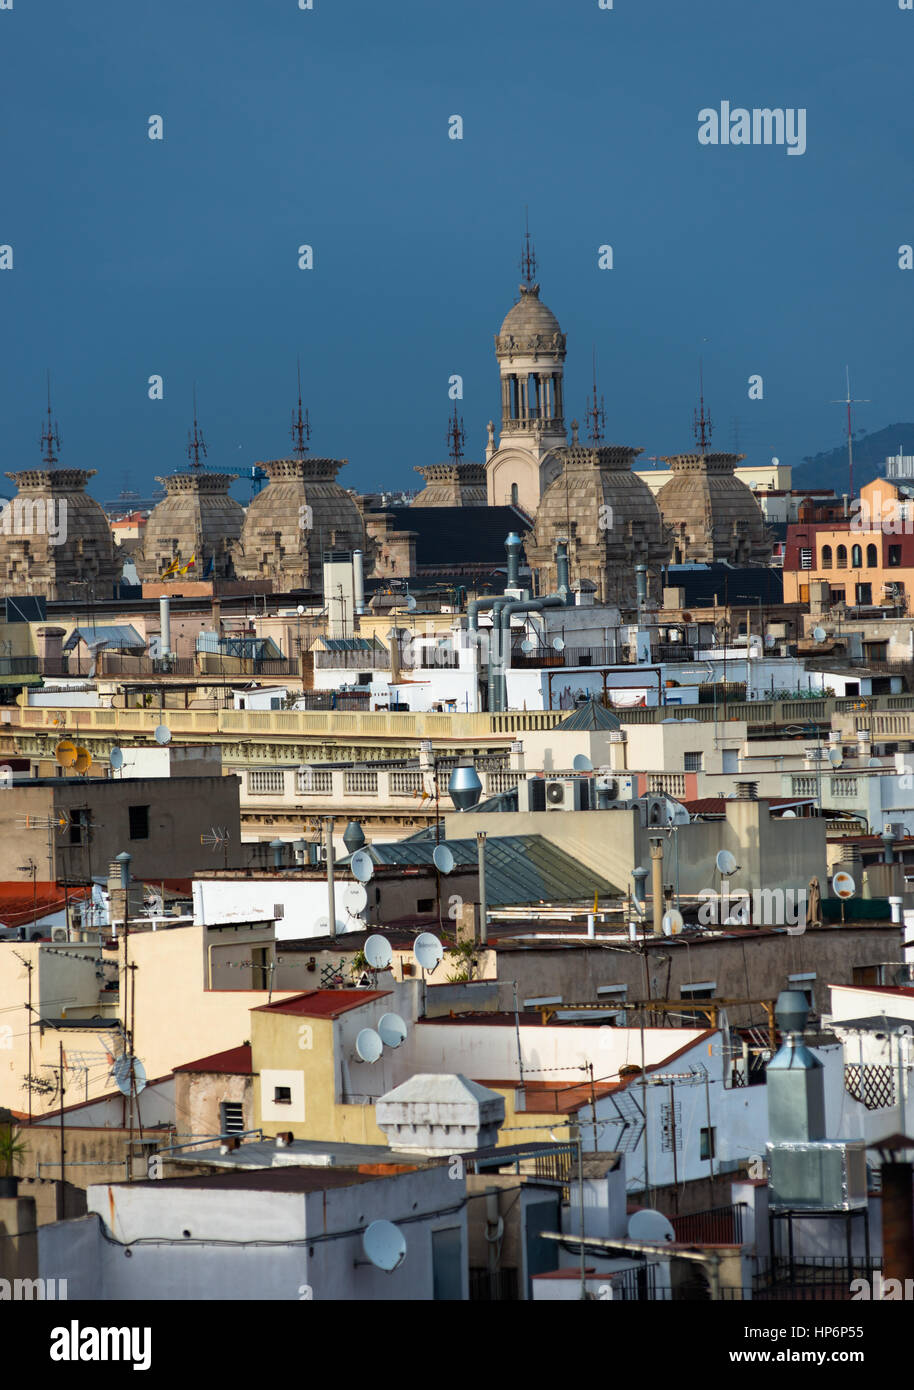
(701, 420)
(528, 257)
(195, 442)
(50, 438)
(595, 413)
(456, 438)
(301, 425)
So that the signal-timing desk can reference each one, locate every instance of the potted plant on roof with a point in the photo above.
(12, 1152)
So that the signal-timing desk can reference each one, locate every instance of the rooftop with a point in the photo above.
(235, 1061)
(323, 1003)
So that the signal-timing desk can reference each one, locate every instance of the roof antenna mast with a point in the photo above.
(701, 419)
(595, 412)
(50, 438)
(195, 442)
(301, 425)
(456, 438)
(849, 400)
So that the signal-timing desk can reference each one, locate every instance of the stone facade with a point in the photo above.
(452, 485)
(609, 519)
(302, 512)
(55, 539)
(196, 520)
(711, 514)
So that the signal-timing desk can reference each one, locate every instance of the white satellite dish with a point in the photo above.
(582, 763)
(384, 1244)
(410, 602)
(443, 859)
(378, 952)
(843, 885)
(775, 462)
(129, 1074)
(323, 926)
(392, 1030)
(355, 899)
(835, 757)
(873, 762)
(819, 634)
(362, 866)
(788, 815)
(651, 1226)
(526, 646)
(427, 950)
(558, 644)
(116, 758)
(368, 1045)
(726, 863)
(162, 734)
(672, 922)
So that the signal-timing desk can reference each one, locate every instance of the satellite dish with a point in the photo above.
(427, 950)
(355, 899)
(835, 757)
(819, 634)
(116, 758)
(775, 462)
(582, 763)
(378, 952)
(843, 885)
(672, 922)
(558, 644)
(83, 760)
(65, 753)
(362, 866)
(788, 815)
(129, 1074)
(650, 1226)
(384, 1244)
(162, 734)
(368, 1045)
(443, 859)
(873, 762)
(392, 1030)
(410, 602)
(726, 863)
(526, 646)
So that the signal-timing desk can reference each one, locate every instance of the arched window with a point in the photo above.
(856, 557)
(826, 557)
(842, 557)
(871, 557)
(533, 397)
(514, 499)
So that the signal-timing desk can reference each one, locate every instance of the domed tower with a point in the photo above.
(608, 517)
(530, 350)
(192, 529)
(455, 483)
(301, 512)
(710, 513)
(54, 538)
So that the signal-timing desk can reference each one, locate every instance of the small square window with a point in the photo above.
(282, 1095)
(139, 822)
(707, 1138)
(692, 761)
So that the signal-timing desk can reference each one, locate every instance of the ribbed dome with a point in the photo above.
(529, 316)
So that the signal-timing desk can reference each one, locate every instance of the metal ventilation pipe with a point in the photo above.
(562, 580)
(165, 625)
(657, 885)
(512, 546)
(483, 905)
(358, 580)
(278, 848)
(747, 791)
(641, 585)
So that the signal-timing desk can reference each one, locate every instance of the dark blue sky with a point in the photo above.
(329, 127)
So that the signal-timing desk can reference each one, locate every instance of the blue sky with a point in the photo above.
(330, 127)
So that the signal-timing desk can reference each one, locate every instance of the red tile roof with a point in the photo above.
(323, 1003)
(716, 805)
(235, 1061)
(20, 904)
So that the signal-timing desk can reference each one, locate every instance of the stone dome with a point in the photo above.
(530, 326)
(196, 519)
(609, 518)
(711, 515)
(302, 512)
(55, 539)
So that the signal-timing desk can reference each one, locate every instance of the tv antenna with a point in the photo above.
(594, 413)
(456, 438)
(528, 257)
(50, 438)
(701, 419)
(195, 442)
(301, 425)
(217, 837)
(850, 400)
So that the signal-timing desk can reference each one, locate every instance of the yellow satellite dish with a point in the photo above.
(65, 753)
(83, 760)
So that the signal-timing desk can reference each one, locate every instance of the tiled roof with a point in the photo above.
(323, 1003)
(235, 1061)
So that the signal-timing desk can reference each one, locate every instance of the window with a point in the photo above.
(692, 761)
(614, 993)
(282, 1095)
(702, 989)
(729, 760)
(805, 558)
(542, 999)
(231, 1117)
(826, 557)
(804, 983)
(79, 827)
(260, 967)
(856, 557)
(707, 1139)
(872, 560)
(894, 556)
(864, 594)
(139, 822)
(425, 905)
(514, 495)
(842, 557)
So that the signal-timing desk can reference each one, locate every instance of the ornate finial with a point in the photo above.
(528, 258)
(702, 421)
(50, 439)
(301, 425)
(596, 415)
(455, 438)
(491, 431)
(574, 433)
(195, 442)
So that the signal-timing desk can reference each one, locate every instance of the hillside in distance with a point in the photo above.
(829, 468)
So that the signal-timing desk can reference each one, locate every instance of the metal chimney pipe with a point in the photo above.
(483, 906)
(591, 926)
(277, 847)
(512, 546)
(641, 585)
(562, 582)
(657, 885)
(358, 580)
(165, 625)
(331, 888)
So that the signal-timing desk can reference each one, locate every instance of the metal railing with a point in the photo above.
(715, 1226)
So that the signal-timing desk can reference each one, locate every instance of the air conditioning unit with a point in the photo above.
(60, 934)
(655, 811)
(567, 794)
(896, 828)
(618, 736)
(615, 790)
